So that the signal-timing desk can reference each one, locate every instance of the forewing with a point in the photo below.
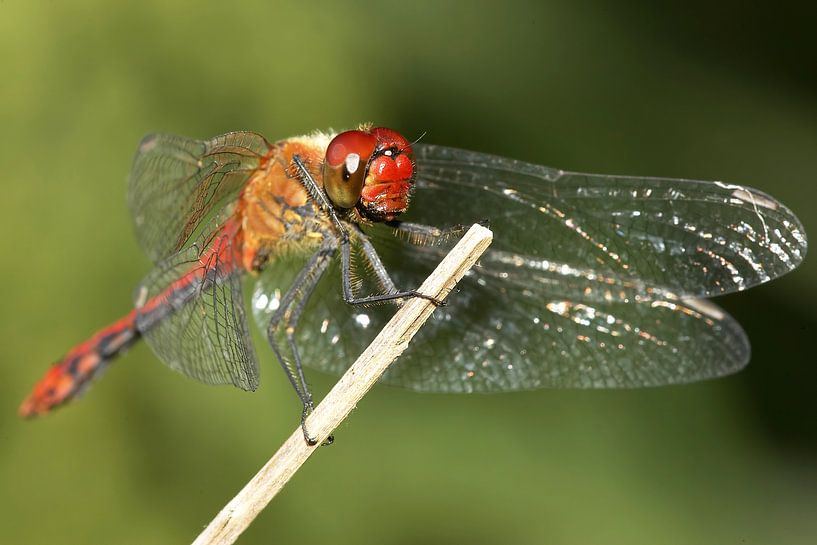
(501, 332)
(177, 184)
(691, 238)
(191, 313)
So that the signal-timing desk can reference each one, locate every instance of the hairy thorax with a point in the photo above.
(276, 213)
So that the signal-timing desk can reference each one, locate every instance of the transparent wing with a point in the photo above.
(177, 184)
(190, 311)
(693, 238)
(592, 281)
(504, 332)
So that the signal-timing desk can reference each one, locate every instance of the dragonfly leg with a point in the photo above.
(317, 194)
(294, 318)
(286, 318)
(390, 290)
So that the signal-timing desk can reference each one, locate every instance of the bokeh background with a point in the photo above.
(698, 90)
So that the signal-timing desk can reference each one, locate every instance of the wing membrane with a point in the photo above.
(190, 311)
(697, 239)
(593, 281)
(501, 333)
(177, 184)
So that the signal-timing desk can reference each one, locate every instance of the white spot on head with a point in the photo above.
(352, 162)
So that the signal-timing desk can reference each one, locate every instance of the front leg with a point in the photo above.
(390, 291)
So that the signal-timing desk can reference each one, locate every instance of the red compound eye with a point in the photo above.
(358, 142)
(344, 170)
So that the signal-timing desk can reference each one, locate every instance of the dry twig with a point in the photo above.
(392, 340)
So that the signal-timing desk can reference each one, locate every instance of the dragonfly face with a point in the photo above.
(371, 170)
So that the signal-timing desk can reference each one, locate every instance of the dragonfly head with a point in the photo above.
(371, 169)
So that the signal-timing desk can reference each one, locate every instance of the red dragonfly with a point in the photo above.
(593, 281)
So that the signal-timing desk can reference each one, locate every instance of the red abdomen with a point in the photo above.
(71, 376)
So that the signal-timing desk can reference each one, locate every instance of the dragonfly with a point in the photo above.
(593, 281)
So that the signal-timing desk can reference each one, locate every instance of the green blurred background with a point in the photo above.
(149, 456)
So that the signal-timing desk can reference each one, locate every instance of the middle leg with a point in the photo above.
(286, 319)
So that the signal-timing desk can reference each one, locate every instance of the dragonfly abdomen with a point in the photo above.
(69, 377)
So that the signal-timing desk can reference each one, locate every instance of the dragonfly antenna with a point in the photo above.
(416, 140)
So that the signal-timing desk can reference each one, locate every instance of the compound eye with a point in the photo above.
(344, 169)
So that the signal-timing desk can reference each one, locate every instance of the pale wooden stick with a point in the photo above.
(392, 340)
